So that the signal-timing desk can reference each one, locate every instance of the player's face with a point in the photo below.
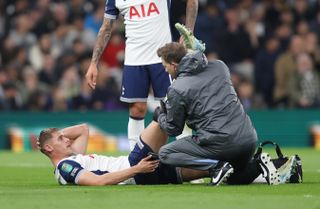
(61, 144)
(170, 68)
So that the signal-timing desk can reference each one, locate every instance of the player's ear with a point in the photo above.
(48, 148)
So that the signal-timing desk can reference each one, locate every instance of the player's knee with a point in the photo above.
(138, 110)
(164, 153)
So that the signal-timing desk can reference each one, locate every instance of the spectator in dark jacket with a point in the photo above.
(265, 68)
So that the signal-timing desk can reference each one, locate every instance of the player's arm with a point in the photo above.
(144, 166)
(79, 135)
(191, 13)
(101, 42)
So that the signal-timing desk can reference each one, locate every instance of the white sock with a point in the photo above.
(135, 128)
(186, 132)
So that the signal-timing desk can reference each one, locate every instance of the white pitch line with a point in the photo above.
(307, 195)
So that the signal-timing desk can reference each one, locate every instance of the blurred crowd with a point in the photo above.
(271, 47)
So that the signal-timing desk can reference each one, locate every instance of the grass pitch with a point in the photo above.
(27, 181)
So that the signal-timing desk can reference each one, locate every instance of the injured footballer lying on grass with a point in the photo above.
(66, 148)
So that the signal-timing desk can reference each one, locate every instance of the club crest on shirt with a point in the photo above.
(66, 167)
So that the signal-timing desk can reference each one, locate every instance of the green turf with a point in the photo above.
(26, 181)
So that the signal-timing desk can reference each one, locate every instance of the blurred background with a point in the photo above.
(271, 46)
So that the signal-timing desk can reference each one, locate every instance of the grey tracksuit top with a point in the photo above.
(203, 97)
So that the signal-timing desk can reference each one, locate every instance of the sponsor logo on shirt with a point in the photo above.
(144, 10)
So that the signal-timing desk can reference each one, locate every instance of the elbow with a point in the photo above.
(174, 132)
(85, 128)
(171, 130)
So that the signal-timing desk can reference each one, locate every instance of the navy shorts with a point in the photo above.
(136, 82)
(164, 174)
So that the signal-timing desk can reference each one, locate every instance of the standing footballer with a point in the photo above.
(147, 29)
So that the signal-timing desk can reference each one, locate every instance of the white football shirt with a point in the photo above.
(147, 28)
(69, 169)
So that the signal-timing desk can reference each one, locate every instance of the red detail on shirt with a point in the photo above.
(140, 11)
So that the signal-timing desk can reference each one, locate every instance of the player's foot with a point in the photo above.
(296, 176)
(190, 40)
(270, 173)
(220, 173)
(287, 170)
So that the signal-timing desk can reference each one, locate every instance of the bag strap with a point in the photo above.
(278, 150)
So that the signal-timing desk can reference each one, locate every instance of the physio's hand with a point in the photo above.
(163, 106)
(91, 76)
(156, 114)
(146, 165)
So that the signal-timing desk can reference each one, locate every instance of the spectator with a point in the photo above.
(83, 101)
(311, 44)
(265, 68)
(30, 84)
(8, 50)
(21, 34)
(285, 66)
(44, 23)
(315, 23)
(208, 25)
(70, 82)
(234, 43)
(11, 98)
(304, 84)
(57, 100)
(245, 91)
(93, 21)
(301, 11)
(47, 74)
(39, 50)
(106, 94)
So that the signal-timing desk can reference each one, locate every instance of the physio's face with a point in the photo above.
(60, 144)
(171, 68)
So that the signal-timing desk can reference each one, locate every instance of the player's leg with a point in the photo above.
(246, 175)
(135, 88)
(137, 112)
(154, 136)
(160, 80)
(188, 174)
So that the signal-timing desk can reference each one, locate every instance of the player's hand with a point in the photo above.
(146, 165)
(91, 76)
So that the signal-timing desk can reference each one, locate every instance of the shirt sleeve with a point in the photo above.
(69, 172)
(111, 11)
(173, 121)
